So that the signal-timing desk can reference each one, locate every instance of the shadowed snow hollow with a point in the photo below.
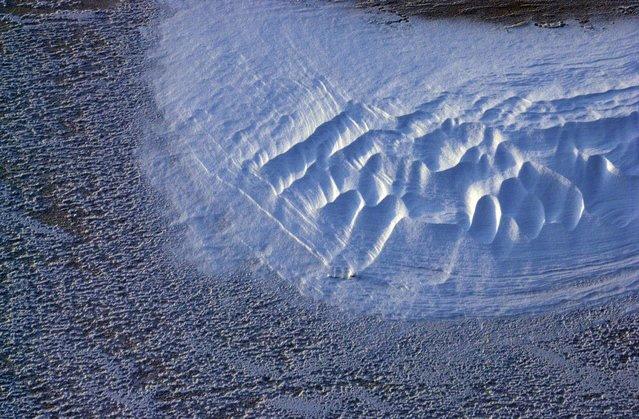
(445, 167)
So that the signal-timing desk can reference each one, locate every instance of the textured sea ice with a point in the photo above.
(444, 168)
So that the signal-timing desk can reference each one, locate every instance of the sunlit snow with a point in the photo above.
(429, 168)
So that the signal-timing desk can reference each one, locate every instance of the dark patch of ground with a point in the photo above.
(546, 12)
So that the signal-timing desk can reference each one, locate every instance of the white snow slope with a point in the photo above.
(448, 167)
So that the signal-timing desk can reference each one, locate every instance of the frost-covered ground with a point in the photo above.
(102, 315)
(449, 167)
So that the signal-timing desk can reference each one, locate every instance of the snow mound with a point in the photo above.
(443, 168)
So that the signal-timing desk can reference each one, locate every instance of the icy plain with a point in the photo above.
(420, 169)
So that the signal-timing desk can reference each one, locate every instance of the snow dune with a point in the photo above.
(446, 167)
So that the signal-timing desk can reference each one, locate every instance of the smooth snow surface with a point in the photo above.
(426, 169)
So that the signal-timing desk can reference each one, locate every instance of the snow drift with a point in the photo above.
(445, 167)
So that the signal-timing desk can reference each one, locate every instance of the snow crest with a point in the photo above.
(430, 168)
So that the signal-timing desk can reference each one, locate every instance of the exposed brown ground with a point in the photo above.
(512, 11)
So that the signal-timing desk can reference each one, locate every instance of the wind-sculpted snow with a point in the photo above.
(432, 168)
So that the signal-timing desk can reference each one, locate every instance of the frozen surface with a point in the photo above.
(99, 318)
(446, 167)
